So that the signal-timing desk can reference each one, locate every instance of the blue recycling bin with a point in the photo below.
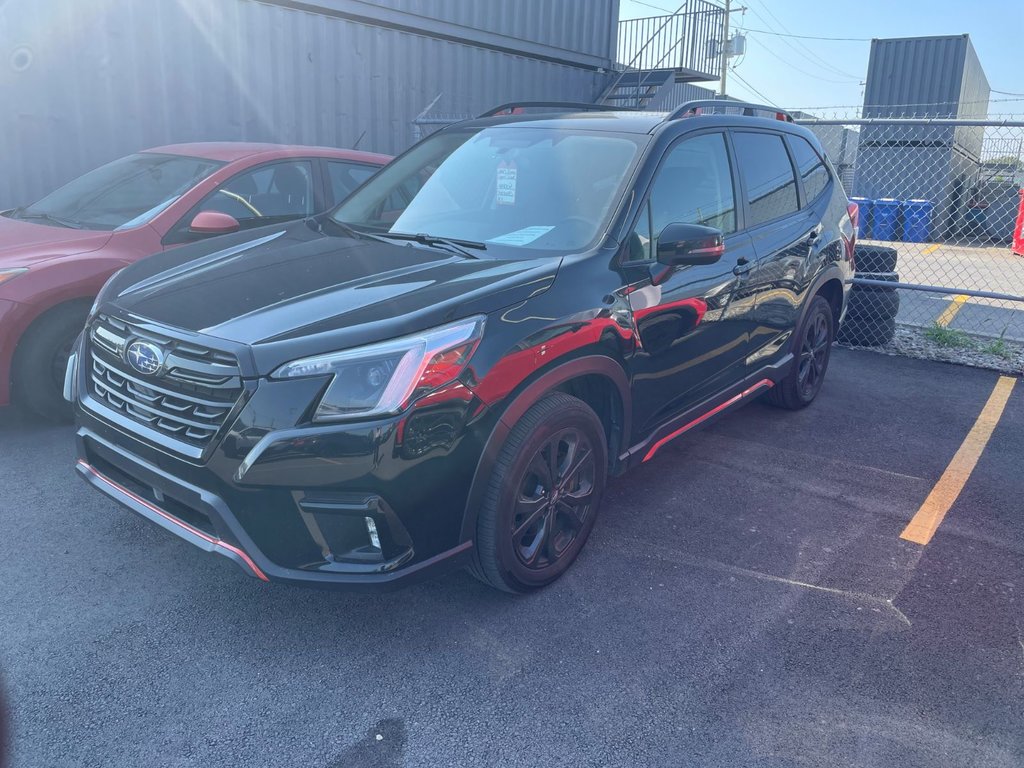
(885, 219)
(917, 220)
(864, 206)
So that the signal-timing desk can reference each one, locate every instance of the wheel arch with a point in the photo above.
(33, 322)
(832, 290)
(598, 380)
(830, 284)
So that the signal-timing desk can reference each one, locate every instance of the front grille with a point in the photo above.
(189, 399)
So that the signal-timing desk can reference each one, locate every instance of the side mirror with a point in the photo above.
(213, 223)
(689, 244)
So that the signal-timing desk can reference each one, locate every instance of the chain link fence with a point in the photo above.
(939, 199)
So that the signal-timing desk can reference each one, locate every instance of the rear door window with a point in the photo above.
(767, 174)
(813, 173)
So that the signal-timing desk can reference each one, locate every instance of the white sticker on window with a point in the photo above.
(506, 191)
(521, 236)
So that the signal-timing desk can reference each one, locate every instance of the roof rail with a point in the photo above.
(692, 108)
(573, 105)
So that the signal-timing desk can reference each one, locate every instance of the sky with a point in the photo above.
(826, 76)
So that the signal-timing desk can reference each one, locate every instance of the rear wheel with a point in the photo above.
(814, 349)
(543, 497)
(42, 359)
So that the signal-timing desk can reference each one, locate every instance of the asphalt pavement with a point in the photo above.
(745, 600)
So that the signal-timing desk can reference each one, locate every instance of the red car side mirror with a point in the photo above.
(213, 223)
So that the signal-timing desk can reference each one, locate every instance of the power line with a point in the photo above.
(804, 47)
(811, 37)
(769, 32)
(754, 90)
(801, 71)
(655, 7)
(802, 50)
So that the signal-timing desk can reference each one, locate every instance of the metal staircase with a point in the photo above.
(638, 89)
(660, 51)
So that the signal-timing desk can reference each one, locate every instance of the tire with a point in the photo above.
(861, 331)
(879, 304)
(521, 496)
(41, 359)
(874, 258)
(814, 348)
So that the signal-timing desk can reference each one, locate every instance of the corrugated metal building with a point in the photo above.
(86, 81)
(923, 77)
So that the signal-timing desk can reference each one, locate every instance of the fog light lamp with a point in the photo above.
(371, 529)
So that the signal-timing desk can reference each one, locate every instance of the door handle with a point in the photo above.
(814, 234)
(742, 266)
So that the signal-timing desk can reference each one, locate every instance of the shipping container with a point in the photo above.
(926, 77)
(87, 82)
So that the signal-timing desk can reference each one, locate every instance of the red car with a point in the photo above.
(56, 254)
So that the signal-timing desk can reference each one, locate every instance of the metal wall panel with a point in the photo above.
(108, 77)
(679, 94)
(579, 26)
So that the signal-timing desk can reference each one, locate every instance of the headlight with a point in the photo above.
(7, 274)
(102, 295)
(383, 378)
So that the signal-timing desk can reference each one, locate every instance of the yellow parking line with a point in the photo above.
(950, 312)
(928, 518)
(930, 249)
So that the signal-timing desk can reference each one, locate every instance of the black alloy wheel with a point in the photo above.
(814, 338)
(555, 498)
(814, 355)
(543, 496)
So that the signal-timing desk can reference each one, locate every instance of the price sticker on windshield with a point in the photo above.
(506, 190)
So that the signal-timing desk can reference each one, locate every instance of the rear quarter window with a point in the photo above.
(813, 173)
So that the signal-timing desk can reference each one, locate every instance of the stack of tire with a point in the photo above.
(871, 311)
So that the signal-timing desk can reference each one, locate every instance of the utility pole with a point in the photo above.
(724, 49)
(726, 45)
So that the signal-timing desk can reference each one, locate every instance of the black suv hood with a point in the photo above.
(279, 284)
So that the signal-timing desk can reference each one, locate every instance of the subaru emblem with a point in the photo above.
(145, 357)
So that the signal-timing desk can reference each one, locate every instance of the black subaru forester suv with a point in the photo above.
(445, 370)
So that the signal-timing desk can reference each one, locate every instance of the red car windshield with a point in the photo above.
(126, 192)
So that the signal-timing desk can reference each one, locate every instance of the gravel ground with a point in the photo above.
(911, 341)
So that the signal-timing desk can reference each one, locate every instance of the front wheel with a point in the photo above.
(543, 497)
(814, 348)
(42, 358)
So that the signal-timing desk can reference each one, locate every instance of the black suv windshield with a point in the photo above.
(507, 186)
(127, 192)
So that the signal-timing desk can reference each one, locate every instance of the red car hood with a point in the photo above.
(22, 243)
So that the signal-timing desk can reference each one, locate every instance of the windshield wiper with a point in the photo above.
(453, 244)
(351, 231)
(48, 217)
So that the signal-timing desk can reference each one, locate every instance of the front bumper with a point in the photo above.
(205, 520)
(364, 505)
